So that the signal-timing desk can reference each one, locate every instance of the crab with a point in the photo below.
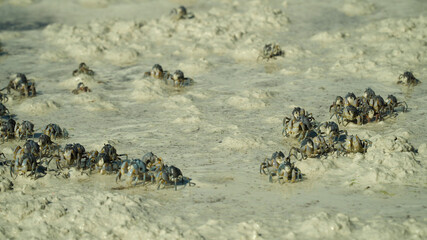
(408, 79)
(47, 147)
(349, 114)
(157, 72)
(297, 127)
(274, 161)
(180, 13)
(271, 51)
(134, 170)
(353, 144)
(111, 152)
(350, 100)
(337, 105)
(81, 88)
(178, 79)
(3, 97)
(3, 110)
(54, 131)
(288, 172)
(167, 175)
(25, 163)
(72, 154)
(7, 129)
(21, 84)
(392, 103)
(83, 69)
(32, 147)
(311, 147)
(24, 130)
(107, 160)
(331, 131)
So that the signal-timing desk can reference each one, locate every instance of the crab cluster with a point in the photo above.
(32, 155)
(319, 139)
(367, 108)
(151, 167)
(280, 166)
(177, 79)
(271, 51)
(328, 138)
(10, 129)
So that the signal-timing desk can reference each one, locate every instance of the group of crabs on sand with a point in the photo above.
(315, 139)
(319, 139)
(34, 157)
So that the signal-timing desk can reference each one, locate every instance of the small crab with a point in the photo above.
(83, 69)
(157, 72)
(24, 130)
(331, 131)
(21, 84)
(350, 100)
(3, 97)
(271, 51)
(312, 147)
(81, 88)
(71, 155)
(349, 114)
(26, 163)
(178, 79)
(392, 103)
(47, 147)
(3, 110)
(353, 144)
(180, 13)
(54, 131)
(32, 147)
(134, 170)
(408, 79)
(297, 127)
(288, 172)
(7, 130)
(274, 161)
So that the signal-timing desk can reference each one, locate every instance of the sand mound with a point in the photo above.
(38, 106)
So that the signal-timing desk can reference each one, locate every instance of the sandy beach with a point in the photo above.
(218, 130)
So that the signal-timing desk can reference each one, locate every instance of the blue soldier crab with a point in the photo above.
(7, 130)
(408, 79)
(312, 147)
(134, 170)
(54, 131)
(3, 97)
(180, 13)
(271, 51)
(3, 110)
(83, 69)
(299, 125)
(288, 172)
(24, 130)
(157, 72)
(22, 85)
(81, 88)
(25, 163)
(274, 161)
(392, 103)
(178, 79)
(353, 144)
